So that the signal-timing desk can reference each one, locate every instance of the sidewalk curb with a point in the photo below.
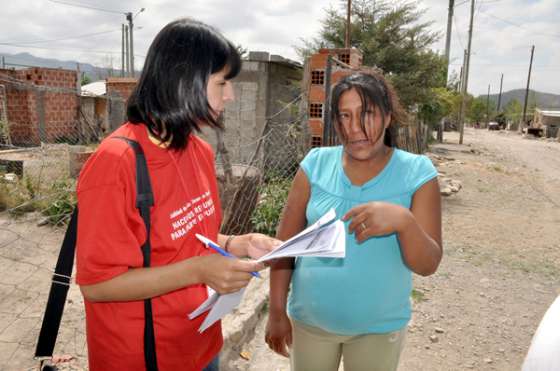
(238, 327)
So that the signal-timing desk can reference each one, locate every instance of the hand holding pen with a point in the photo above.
(214, 246)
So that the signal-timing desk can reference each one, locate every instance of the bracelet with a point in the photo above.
(228, 240)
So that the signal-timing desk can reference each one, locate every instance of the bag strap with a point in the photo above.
(144, 200)
(59, 291)
(63, 270)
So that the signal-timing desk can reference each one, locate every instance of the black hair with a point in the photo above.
(170, 97)
(374, 91)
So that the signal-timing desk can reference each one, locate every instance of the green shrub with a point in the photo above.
(272, 198)
(17, 197)
(59, 207)
(4, 199)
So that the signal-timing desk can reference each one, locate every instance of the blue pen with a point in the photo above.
(209, 243)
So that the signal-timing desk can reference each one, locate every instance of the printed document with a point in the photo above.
(326, 238)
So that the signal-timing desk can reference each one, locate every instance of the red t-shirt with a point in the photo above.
(111, 232)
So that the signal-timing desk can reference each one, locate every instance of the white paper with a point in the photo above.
(223, 305)
(318, 240)
(325, 238)
(209, 303)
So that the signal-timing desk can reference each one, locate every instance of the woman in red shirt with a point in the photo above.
(184, 85)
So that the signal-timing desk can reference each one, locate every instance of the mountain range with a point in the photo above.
(22, 60)
(542, 100)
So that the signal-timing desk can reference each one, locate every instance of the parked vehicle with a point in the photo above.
(492, 125)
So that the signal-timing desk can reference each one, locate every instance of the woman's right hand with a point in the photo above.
(226, 275)
(278, 334)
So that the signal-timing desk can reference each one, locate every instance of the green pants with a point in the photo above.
(314, 349)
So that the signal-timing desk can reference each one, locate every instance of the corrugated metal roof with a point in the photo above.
(551, 113)
(94, 89)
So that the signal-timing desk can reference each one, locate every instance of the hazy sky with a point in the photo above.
(504, 31)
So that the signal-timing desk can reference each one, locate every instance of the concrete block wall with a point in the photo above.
(263, 87)
(244, 118)
(284, 87)
(121, 86)
(118, 90)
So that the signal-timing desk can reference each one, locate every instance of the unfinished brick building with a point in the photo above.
(319, 81)
(118, 91)
(41, 105)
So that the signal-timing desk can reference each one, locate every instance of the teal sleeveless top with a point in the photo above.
(369, 290)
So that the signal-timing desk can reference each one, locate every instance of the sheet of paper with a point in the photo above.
(212, 298)
(318, 240)
(324, 238)
(224, 304)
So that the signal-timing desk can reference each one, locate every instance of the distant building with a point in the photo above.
(548, 121)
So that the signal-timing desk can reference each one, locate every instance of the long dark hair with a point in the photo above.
(374, 91)
(170, 97)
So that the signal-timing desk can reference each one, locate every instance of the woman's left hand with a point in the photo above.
(261, 244)
(376, 219)
(253, 245)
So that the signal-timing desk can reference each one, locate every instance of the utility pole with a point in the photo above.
(131, 50)
(126, 45)
(466, 80)
(461, 84)
(78, 78)
(130, 18)
(122, 50)
(348, 24)
(488, 106)
(441, 127)
(500, 95)
(460, 87)
(448, 37)
(527, 89)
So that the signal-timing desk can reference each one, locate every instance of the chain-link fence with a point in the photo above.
(48, 130)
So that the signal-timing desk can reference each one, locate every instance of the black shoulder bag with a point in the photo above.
(63, 272)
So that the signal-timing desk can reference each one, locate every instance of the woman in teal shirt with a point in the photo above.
(356, 308)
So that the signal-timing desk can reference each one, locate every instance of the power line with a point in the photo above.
(510, 65)
(519, 25)
(91, 51)
(480, 3)
(62, 39)
(457, 32)
(86, 7)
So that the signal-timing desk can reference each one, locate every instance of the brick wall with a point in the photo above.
(316, 84)
(17, 106)
(36, 115)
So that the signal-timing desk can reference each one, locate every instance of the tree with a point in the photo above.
(440, 105)
(392, 38)
(85, 79)
(477, 111)
(513, 110)
(243, 52)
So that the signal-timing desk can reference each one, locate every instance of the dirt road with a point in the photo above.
(501, 268)
(500, 272)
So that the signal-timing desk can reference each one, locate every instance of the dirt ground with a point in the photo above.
(501, 266)
(500, 272)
